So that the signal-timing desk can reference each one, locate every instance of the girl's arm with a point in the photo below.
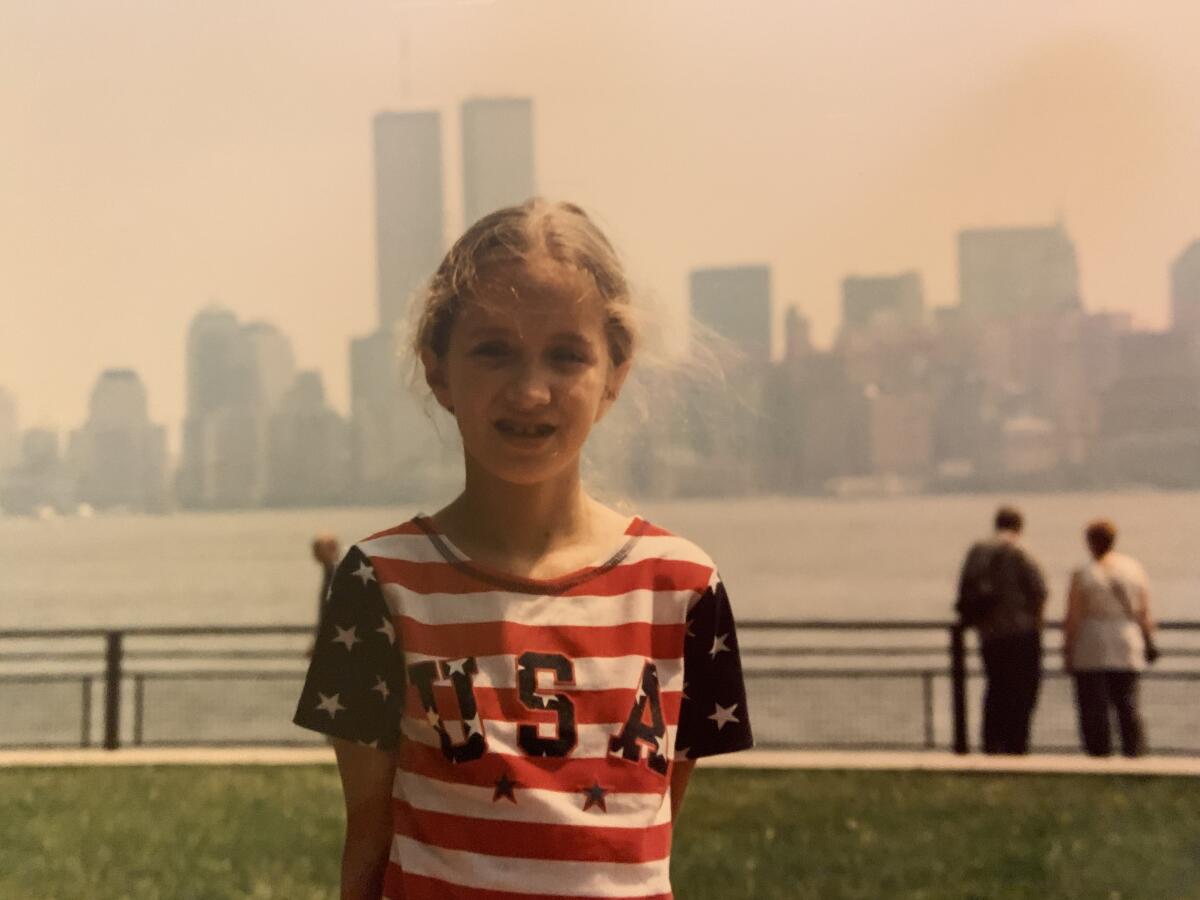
(681, 772)
(367, 776)
(1071, 622)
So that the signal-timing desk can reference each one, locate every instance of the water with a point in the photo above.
(781, 557)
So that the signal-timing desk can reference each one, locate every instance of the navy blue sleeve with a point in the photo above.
(355, 683)
(712, 716)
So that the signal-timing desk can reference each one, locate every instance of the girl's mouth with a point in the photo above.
(524, 430)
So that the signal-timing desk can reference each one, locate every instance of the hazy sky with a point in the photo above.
(157, 155)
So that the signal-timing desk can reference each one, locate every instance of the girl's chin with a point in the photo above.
(531, 470)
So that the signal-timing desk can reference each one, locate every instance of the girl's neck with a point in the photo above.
(522, 522)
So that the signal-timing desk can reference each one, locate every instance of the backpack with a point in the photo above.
(979, 595)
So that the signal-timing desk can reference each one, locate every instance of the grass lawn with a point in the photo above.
(242, 832)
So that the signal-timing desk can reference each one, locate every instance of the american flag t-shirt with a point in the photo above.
(535, 722)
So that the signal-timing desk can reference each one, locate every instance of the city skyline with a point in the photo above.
(196, 154)
(1016, 386)
(862, 298)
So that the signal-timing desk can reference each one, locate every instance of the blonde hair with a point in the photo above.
(536, 229)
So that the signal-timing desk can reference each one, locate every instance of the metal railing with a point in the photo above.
(812, 684)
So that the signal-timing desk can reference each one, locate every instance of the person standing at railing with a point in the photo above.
(1002, 593)
(326, 551)
(1108, 637)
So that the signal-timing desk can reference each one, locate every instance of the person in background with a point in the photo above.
(1002, 593)
(326, 551)
(1108, 637)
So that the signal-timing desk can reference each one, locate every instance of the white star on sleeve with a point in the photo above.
(381, 687)
(365, 572)
(474, 726)
(723, 715)
(347, 637)
(455, 666)
(718, 645)
(387, 630)
(330, 704)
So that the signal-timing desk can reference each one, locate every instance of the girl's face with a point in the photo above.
(527, 371)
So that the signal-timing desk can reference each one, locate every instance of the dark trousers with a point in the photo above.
(1096, 693)
(1013, 666)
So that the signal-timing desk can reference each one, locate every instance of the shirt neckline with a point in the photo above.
(519, 583)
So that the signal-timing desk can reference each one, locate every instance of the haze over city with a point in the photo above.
(161, 158)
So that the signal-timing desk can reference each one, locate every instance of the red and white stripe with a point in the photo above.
(455, 836)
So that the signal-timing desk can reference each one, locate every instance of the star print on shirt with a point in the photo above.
(330, 704)
(718, 645)
(712, 713)
(347, 636)
(382, 688)
(595, 797)
(365, 572)
(504, 788)
(723, 715)
(356, 682)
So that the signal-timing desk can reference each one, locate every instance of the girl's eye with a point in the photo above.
(571, 357)
(490, 350)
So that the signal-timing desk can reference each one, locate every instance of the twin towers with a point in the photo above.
(395, 452)
(496, 140)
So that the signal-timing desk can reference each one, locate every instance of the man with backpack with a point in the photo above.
(1001, 593)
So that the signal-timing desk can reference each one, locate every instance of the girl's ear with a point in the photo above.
(612, 388)
(435, 377)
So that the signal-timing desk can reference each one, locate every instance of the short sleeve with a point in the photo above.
(355, 684)
(713, 717)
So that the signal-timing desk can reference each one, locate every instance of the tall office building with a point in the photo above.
(309, 461)
(39, 480)
(118, 456)
(869, 301)
(497, 152)
(10, 438)
(1005, 272)
(1185, 291)
(735, 302)
(212, 359)
(408, 206)
(397, 453)
(237, 375)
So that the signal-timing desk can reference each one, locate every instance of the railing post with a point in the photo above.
(958, 688)
(927, 698)
(139, 707)
(112, 689)
(85, 736)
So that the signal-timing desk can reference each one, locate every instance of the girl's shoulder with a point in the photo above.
(408, 540)
(654, 541)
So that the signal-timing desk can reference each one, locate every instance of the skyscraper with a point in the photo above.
(1185, 291)
(868, 300)
(237, 375)
(118, 456)
(39, 480)
(212, 359)
(408, 206)
(309, 450)
(735, 302)
(10, 439)
(497, 151)
(1005, 272)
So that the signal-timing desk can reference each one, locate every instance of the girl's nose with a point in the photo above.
(530, 388)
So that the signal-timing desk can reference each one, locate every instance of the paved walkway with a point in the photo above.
(756, 759)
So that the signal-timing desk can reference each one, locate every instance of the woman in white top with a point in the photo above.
(1107, 642)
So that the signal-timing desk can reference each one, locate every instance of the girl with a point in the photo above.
(517, 685)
